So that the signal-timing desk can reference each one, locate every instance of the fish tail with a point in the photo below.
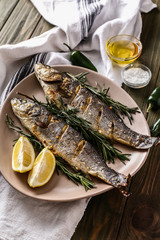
(123, 190)
(145, 142)
(131, 138)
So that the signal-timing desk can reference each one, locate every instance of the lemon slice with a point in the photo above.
(43, 168)
(23, 155)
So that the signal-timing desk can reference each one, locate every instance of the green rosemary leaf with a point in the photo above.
(37, 145)
(77, 178)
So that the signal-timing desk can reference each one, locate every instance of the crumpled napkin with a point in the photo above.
(85, 25)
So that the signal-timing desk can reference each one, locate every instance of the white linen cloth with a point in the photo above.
(93, 22)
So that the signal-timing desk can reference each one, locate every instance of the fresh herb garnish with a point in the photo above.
(108, 151)
(76, 177)
(103, 96)
(37, 145)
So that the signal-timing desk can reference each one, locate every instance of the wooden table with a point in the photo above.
(109, 216)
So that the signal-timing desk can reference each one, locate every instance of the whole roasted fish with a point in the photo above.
(65, 141)
(104, 120)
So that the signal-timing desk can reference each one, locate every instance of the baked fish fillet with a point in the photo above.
(65, 141)
(58, 85)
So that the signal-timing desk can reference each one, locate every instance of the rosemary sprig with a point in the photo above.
(108, 151)
(37, 145)
(77, 177)
(102, 94)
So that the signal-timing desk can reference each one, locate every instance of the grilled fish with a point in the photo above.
(65, 142)
(58, 85)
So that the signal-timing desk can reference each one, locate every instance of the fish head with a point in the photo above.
(50, 80)
(21, 107)
(47, 73)
(27, 109)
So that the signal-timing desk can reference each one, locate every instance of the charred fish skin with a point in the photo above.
(64, 141)
(101, 117)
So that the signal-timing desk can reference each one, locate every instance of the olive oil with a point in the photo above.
(123, 51)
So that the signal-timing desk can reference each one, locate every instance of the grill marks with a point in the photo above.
(100, 115)
(80, 147)
(85, 103)
(76, 93)
(88, 102)
(64, 131)
(78, 100)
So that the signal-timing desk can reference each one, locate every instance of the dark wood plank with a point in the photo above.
(6, 8)
(102, 217)
(141, 219)
(21, 23)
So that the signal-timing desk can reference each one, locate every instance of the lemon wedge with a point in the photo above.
(23, 155)
(43, 168)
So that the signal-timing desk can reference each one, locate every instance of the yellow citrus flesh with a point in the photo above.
(43, 168)
(23, 155)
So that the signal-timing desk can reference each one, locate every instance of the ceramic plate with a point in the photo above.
(59, 188)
